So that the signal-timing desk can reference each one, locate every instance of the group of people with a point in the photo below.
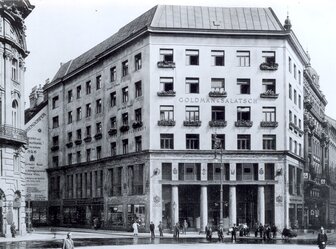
(266, 232)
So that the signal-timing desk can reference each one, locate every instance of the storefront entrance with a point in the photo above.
(189, 206)
(247, 201)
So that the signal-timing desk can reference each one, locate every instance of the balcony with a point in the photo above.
(217, 94)
(166, 64)
(243, 123)
(194, 123)
(124, 128)
(69, 144)
(308, 103)
(295, 127)
(10, 135)
(269, 94)
(271, 124)
(269, 66)
(54, 148)
(217, 123)
(87, 139)
(112, 131)
(98, 136)
(166, 123)
(170, 93)
(137, 124)
(78, 141)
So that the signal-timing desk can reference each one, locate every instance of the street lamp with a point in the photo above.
(218, 145)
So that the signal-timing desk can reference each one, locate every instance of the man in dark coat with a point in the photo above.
(322, 239)
(233, 233)
(151, 228)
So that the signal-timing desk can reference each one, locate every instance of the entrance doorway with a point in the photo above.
(189, 206)
(247, 201)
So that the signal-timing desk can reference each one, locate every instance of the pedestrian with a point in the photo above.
(208, 232)
(177, 230)
(322, 239)
(160, 229)
(68, 242)
(274, 231)
(95, 223)
(261, 230)
(151, 228)
(220, 232)
(185, 226)
(13, 230)
(135, 228)
(233, 233)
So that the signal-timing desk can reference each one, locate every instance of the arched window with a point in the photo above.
(15, 107)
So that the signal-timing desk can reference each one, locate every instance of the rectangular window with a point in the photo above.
(79, 113)
(55, 141)
(55, 122)
(192, 85)
(113, 74)
(218, 113)
(291, 179)
(290, 116)
(166, 84)
(78, 156)
(166, 171)
(124, 67)
(192, 141)
(290, 144)
(218, 141)
(88, 87)
(243, 58)
(98, 106)
(69, 158)
(217, 57)
(98, 128)
(290, 91)
(88, 131)
(269, 114)
(70, 117)
(243, 113)
(78, 92)
(79, 134)
(14, 69)
(298, 181)
(138, 89)
(299, 101)
(269, 142)
(192, 57)
(125, 94)
(290, 64)
(88, 155)
(113, 148)
(167, 141)
(138, 115)
(55, 161)
(70, 96)
(244, 85)
(166, 55)
(99, 151)
(124, 118)
(125, 146)
(218, 85)
(268, 57)
(69, 136)
(295, 96)
(98, 82)
(243, 142)
(113, 122)
(137, 62)
(192, 113)
(116, 176)
(268, 86)
(88, 110)
(166, 112)
(138, 143)
(113, 99)
(299, 73)
(55, 102)
(295, 71)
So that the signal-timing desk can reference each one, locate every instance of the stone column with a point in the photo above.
(175, 205)
(233, 205)
(94, 184)
(204, 207)
(74, 193)
(261, 204)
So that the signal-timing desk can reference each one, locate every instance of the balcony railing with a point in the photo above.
(166, 123)
(195, 123)
(137, 124)
(269, 94)
(170, 93)
(271, 66)
(112, 131)
(243, 123)
(218, 94)
(13, 134)
(166, 64)
(271, 124)
(217, 123)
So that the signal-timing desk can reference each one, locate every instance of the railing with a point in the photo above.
(11, 133)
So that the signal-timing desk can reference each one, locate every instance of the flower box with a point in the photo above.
(269, 124)
(195, 123)
(166, 123)
(269, 66)
(169, 93)
(217, 94)
(166, 64)
(269, 94)
(98, 136)
(137, 124)
(78, 141)
(124, 128)
(69, 145)
(243, 123)
(217, 123)
(87, 139)
(112, 131)
(54, 148)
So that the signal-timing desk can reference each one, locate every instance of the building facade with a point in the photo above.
(133, 123)
(12, 135)
(316, 173)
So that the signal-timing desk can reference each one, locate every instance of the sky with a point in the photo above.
(60, 30)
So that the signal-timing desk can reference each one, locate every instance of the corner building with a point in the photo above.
(133, 121)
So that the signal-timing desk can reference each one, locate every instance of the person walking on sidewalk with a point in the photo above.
(185, 226)
(233, 233)
(13, 230)
(160, 229)
(322, 239)
(151, 228)
(135, 228)
(68, 242)
(177, 230)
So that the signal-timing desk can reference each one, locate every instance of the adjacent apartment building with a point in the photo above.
(135, 121)
(13, 138)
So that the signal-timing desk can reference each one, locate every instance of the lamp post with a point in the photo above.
(219, 145)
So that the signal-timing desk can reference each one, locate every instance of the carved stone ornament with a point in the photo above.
(174, 171)
(233, 171)
(279, 198)
(156, 199)
(261, 171)
(8, 55)
(203, 172)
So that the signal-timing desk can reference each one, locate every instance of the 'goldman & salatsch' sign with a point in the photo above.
(200, 100)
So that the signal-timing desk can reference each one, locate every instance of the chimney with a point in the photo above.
(36, 96)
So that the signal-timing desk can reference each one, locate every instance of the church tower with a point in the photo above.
(12, 135)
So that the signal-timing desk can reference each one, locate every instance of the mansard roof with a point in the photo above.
(183, 18)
